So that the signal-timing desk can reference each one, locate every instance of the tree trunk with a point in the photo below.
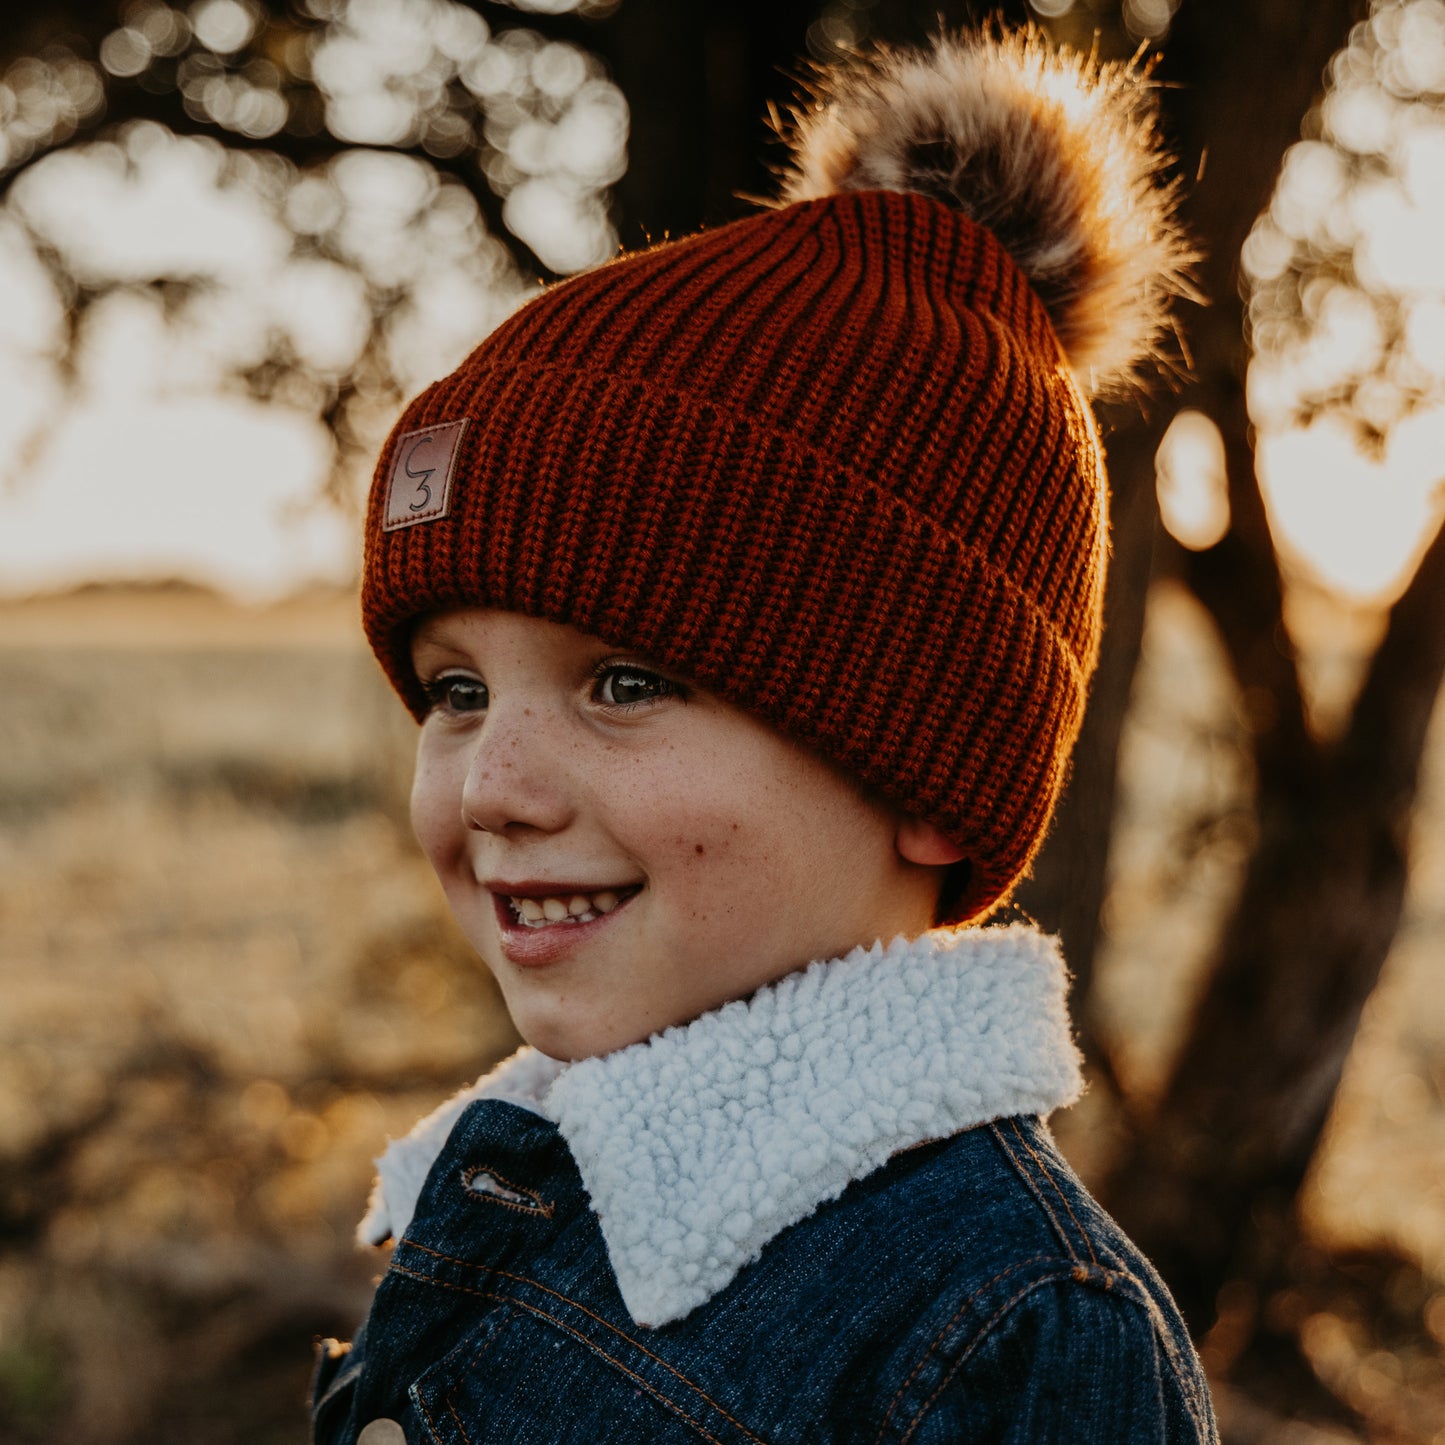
(1238, 76)
(1209, 1188)
(1066, 891)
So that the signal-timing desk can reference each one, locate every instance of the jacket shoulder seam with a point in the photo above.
(1029, 1166)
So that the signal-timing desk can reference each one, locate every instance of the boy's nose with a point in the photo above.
(515, 781)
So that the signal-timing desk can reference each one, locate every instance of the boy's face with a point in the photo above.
(626, 850)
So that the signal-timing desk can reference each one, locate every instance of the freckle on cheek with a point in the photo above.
(698, 849)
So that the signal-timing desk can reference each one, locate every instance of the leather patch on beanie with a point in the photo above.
(420, 486)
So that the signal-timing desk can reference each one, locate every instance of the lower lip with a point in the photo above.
(538, 947)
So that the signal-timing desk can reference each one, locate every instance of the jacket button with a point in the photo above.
(382, 1432)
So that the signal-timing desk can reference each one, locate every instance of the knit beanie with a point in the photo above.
(835, 461)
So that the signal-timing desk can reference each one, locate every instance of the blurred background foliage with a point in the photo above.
(319, 206)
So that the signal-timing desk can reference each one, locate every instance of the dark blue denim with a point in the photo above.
(970, 1290)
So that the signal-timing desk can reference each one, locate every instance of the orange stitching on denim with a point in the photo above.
(953, 1369)
(472, 1365)
(1145, 1302)
(1165, 1337)
(461, 1429)
(539, 1207)
(606, 1324)
(1083, 1233)
(957, 1315)
(576, 1335)
(430, 1423)
(1031, 1185)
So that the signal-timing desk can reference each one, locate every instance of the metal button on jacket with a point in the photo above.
(382, 1432)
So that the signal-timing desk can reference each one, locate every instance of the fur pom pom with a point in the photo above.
(1055, 153)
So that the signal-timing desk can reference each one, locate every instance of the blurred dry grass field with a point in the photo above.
(228, 977)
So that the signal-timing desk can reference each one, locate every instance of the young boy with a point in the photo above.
(747, 590)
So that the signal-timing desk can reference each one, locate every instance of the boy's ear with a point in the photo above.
(920, 842)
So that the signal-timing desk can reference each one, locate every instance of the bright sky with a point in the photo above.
(131, 484)
(218, 491)
(154, 465)
(143, 479)
(1357, 522)
(150, 471)
(154, 469)
(1370, 189)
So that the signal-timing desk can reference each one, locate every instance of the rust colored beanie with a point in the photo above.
(834, 461)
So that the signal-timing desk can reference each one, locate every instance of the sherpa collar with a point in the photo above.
(699, 1145)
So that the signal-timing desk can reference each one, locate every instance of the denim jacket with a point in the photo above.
(828, 1213)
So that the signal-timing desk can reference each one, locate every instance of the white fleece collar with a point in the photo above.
(701, 1144)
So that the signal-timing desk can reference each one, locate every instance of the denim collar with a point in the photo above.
(700, 1144)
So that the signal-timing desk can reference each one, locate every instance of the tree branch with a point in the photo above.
(167, 108)
(1238, 582)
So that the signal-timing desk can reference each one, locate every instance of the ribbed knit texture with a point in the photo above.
(829, 462)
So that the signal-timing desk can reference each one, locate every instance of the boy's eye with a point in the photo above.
(621, 686)
(456, 692)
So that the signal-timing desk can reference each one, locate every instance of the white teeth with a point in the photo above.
(577, 908)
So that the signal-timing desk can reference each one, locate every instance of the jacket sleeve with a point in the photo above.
(333, 1386)
(1068, 1362)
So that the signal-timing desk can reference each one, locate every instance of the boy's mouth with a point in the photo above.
(536, 911)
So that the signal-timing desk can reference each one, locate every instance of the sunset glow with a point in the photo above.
(1347, 316)
(1358, 523)
(1353, 494)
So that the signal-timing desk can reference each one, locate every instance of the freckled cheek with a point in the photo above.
(707, 842)
(715, 833)
(714, 878)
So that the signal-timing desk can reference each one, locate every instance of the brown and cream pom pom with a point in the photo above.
(1057, 154)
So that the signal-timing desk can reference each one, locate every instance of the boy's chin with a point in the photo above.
(569, 1041)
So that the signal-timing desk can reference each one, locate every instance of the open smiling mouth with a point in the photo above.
(568, 908)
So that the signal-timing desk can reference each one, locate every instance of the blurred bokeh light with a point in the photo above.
(226, 333)
(1346, 280)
